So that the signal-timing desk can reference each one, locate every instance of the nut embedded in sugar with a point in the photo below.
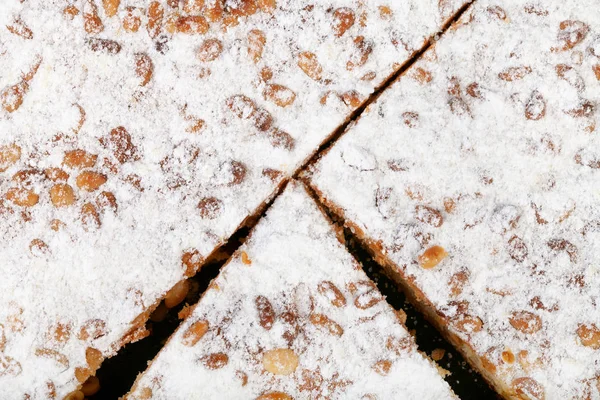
(103, 45)
(266, 313)
(9, 155)
(131, 19)
(468, 324)
(62, 195)
(528, 388)
(155, 19)
(90, 218)
(589, 335)
(215, 360)
(333, 294)
(92, 329)
(256, 44)
(22, 197)
(191, 25)
(144, 68)
(91, 21)
(209, 50)
(245, 258)
(429, 215)
(37, 247)
(111, 7)
(525, 321)
(382, 367)
(93, 357)
(19, 28)
(310, 65)
(90, 181)
(535, 108)
(322, 320)
(508, 357)
(343, 19)
(107, 201)
(274, 396)
(194, 333)
(279, 95)
(210, 207)
(280, 361)
(56, 174)
(432, 257)
(267, 5)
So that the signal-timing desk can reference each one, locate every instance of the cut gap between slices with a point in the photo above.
(355, 115)
(119, 372)
(466, 382)
(122, 369)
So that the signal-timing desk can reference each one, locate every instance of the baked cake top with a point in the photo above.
(292, 314)
(489, 148)
(137, 135)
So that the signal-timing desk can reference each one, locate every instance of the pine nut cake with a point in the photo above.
(136, 136)
(292, 316)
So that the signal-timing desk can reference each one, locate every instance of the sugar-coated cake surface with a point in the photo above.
(137, 134)
(292, 313)
(489, 148)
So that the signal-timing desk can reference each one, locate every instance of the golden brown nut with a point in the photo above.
(22, 197)
(111, 7)
(79, 159)
(9, 155)
(209, 50)
(343, 19)
(177, 293)
(330, 325)
(279, 94)
(256, 44)
(589, 335)
(131, 20)
(525, 321)
(156, 14)
(194, 333)
(90, 181)
(333, 294)
(266, 313)
(90, 217)
(309, 63)
(432, 257)
(62, 195)
(144, 68)
(215, 360)
(274, 396)
(528, 388)
(91, 21)
(280, 361)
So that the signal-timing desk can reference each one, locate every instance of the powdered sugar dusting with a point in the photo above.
(295, 289)
(495, 132)
(119, 150)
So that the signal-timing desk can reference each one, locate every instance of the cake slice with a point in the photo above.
(292, 316)
(137, 136)
(474, 180)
